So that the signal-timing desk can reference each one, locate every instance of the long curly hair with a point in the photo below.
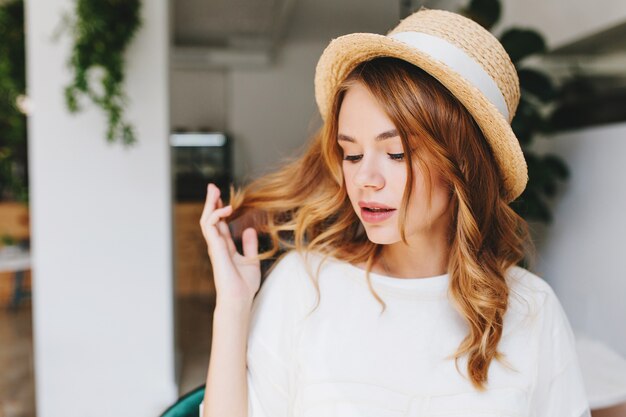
(304, 205)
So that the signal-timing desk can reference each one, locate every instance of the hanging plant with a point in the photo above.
(101, 31)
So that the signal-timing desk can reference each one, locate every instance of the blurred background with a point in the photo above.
(114, 116)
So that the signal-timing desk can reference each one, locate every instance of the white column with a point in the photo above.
(101, 231)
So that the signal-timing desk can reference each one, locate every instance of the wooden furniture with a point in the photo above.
(193, 273)
(15, 279)
(16, 261)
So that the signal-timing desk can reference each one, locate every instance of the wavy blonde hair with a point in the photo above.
(304, 205)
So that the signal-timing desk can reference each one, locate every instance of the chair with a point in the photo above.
(186, 406)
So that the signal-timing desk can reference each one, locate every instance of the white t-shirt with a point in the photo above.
(347, 359)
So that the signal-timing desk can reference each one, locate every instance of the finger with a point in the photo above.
(213, 196)
(216, 194)
(208, 203)
(208, 224)
(222, 226)
(217, 214)
(220, 203)
(218, 245)
(250, 242)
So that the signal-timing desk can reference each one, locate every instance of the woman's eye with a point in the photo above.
(352, 158)
(355, 158)
(396, 156)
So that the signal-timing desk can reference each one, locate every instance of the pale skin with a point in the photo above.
(375, 170)
(237, 278)
(372, 175)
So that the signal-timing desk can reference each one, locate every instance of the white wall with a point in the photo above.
(101, 232)
(582, 252)
(199, 99)
(271, 111)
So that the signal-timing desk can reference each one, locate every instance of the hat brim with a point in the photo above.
(344, 53)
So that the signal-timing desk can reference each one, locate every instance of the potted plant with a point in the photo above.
(538, 94)
(13, 149)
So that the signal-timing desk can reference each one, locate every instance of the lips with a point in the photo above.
(374, 206)
(375, 212)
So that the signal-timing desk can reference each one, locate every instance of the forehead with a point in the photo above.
(362, 116)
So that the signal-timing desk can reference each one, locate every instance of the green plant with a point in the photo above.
(545, 172)
(102, 30)
(13, 147)
(8, 240)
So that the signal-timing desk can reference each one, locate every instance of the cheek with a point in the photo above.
(441, 191)
(439, 202)
(345, 172)
(347, 179)
(398, 178)
(349, 169)
(420, 197)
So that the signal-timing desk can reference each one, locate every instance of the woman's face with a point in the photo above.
(375, 174)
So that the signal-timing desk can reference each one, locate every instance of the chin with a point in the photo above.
(381, 236)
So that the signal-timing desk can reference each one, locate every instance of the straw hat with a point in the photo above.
(467, 59)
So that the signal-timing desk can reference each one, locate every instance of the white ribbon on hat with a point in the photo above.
(458, 60)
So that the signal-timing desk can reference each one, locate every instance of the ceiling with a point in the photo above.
(599, 56)
(608, 41)
(222, 33)
(247, 33)
(226, 22)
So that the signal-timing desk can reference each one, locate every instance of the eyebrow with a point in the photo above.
(385, 135)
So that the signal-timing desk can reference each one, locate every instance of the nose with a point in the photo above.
(368, 174)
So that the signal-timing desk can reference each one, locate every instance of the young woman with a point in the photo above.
(399, 292)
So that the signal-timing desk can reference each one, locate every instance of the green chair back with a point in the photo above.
(188, 405)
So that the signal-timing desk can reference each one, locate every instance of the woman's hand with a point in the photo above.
(237, 277)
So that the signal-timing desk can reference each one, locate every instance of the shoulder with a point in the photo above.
(290, 263)
(305, 262)
(531, 295)
(287, 262)
(534, 303)
(302, 272)
(530, 286)
(292, 272)
(282, 292)
(283, 273)
(552, 344)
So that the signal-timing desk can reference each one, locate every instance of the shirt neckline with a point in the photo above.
(436, 282)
